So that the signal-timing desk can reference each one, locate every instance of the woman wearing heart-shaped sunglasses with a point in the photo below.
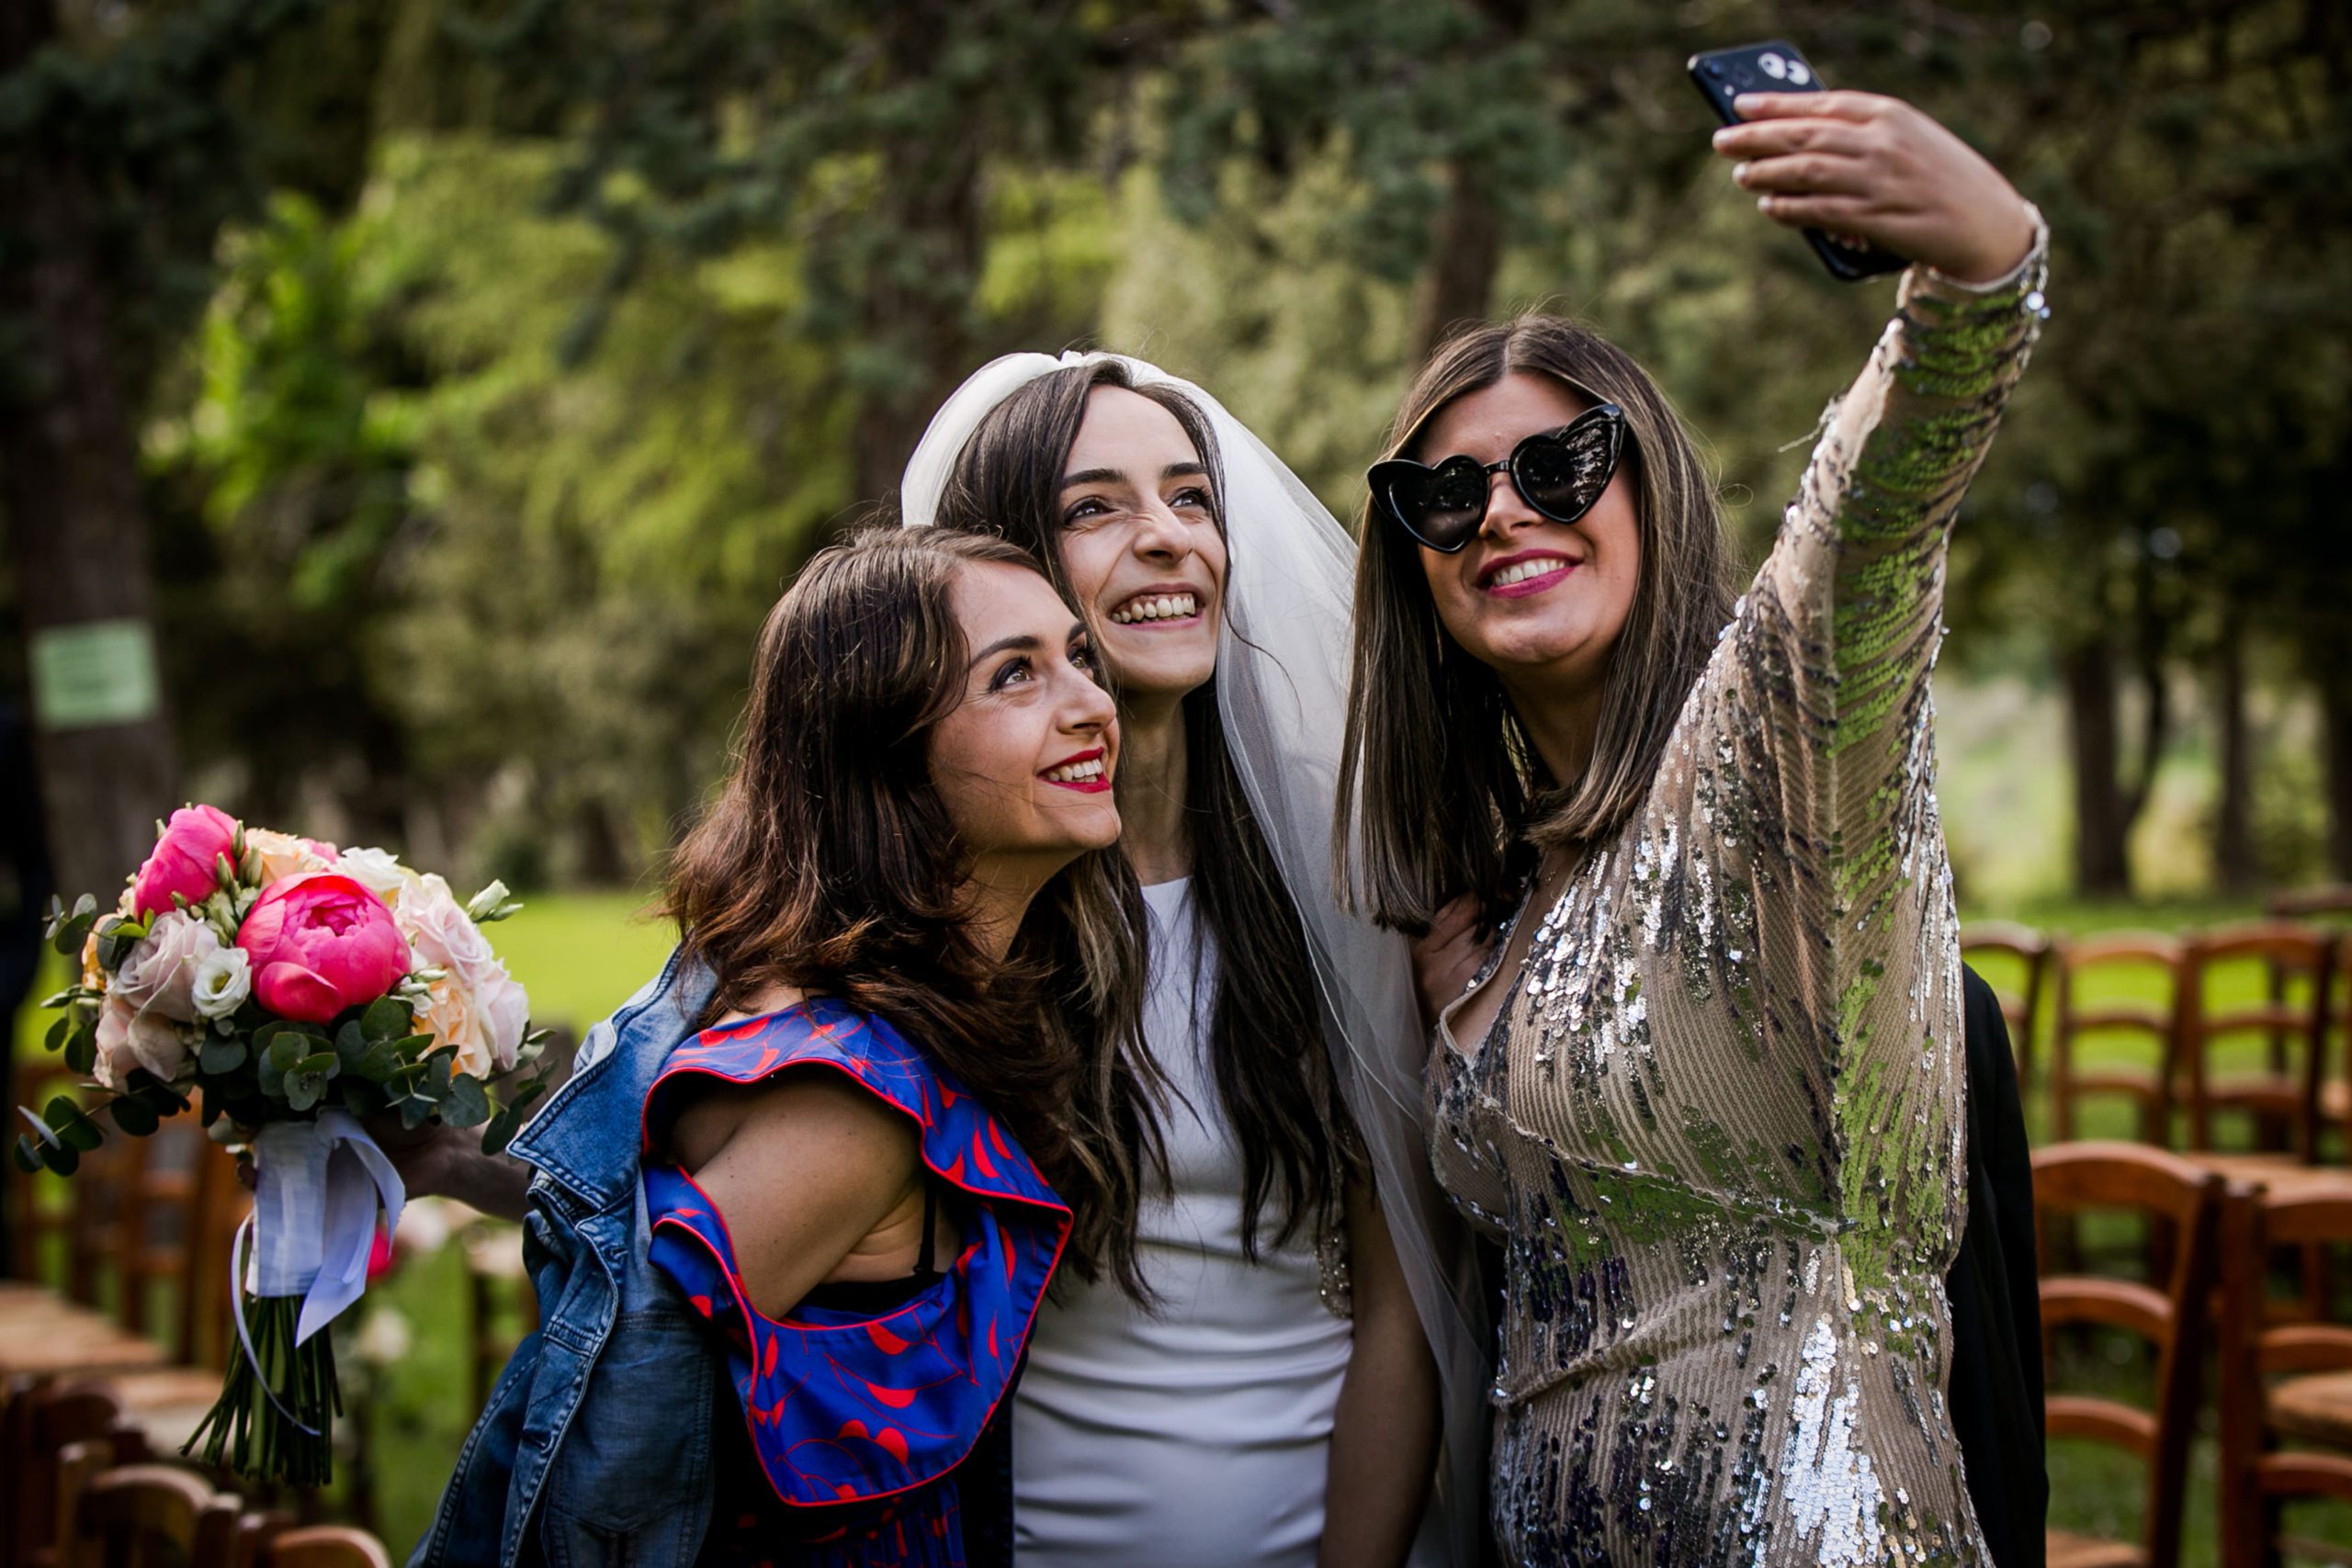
(1699, 1068)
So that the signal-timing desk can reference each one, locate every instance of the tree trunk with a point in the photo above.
(2102, 826)
(2235, 863)
(1459, 285)
(69, 488)
(921, 313)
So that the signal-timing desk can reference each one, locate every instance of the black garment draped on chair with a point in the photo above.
(1995, 1288)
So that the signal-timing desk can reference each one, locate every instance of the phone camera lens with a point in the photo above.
(1715, 68)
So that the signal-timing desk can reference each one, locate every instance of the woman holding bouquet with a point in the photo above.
(787, 1263)
(1703, 1084)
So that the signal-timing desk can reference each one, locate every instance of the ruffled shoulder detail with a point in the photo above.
(961, 1140)
(842, 1409)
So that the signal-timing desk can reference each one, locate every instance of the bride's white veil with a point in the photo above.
(1282, 678)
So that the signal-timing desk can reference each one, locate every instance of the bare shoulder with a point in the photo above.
(803, 1114)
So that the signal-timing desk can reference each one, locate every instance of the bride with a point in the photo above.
(1269, 1390)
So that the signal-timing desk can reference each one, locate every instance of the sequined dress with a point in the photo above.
(1717, 1126)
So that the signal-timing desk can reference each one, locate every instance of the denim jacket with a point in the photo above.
(596, 1445)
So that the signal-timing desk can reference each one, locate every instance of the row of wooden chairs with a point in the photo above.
(2178, 1097)
(2282, 1370)
(143, 1218)
(84, 1489)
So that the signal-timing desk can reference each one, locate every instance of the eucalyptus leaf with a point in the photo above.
(381, 1061)
(60, 1159)
(385, 1020)
(287, 1049)
(466, 1105)
(27, 1153)
(304, 1090)
(134, 1117)
(220, 1056)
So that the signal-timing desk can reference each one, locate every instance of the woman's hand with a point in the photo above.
(1859, 164)
(1446, 956)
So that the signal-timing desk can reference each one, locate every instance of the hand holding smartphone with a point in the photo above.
(1775, 66)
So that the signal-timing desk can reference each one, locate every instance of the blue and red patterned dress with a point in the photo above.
(857, 1420)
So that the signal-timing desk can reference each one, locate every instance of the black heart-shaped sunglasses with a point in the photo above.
(1560, 473)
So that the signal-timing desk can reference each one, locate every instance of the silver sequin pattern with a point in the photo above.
(1718, 1127)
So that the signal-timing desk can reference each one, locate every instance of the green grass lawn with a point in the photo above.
(580, 955)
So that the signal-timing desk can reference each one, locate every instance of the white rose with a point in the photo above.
(283, 855)
(503, 1009)
(133, 1037)
(376, 871)
(222, 982)
(441, 934)
(160, 975)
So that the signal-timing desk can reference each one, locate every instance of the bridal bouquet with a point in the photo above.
(289, 989)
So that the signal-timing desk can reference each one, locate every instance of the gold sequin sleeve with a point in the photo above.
(1829, 657)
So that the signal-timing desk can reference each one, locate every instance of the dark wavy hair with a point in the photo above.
(1266, 1049)
(828, 863)
(1450, 788)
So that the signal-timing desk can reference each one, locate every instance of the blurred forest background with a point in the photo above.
(451, 384)
(436, 393)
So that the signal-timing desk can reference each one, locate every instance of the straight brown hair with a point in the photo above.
(828, 863)
(1448, 794)
(1267, 1052)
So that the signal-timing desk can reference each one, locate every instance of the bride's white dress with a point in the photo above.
(1197, 1435)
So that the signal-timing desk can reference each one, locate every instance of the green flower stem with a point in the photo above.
(247, 1431)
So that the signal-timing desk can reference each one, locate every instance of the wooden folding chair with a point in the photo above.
(2027, 950)
(2282, 1093)
(152, 1516)
(2309, 903)
(323, 1546)
(2086, 964)
(39, 1423)
(2180, 1197)
(169, 1219)
(2311, 1402)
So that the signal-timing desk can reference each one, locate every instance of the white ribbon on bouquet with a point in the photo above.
(319, 1187)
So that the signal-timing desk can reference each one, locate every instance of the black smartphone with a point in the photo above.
(1775, 66)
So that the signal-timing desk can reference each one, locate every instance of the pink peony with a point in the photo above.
(319, 944)
(193, 841)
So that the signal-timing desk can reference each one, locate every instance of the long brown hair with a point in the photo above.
(1267, 1052)
(1436, 759)
(828, 863)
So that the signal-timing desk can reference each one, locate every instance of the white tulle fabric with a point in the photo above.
(1282, 687)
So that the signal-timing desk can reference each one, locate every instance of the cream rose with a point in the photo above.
(160, 975)
(283, 855)
(129, 1037)
(449, 1016)
(486, 1022)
